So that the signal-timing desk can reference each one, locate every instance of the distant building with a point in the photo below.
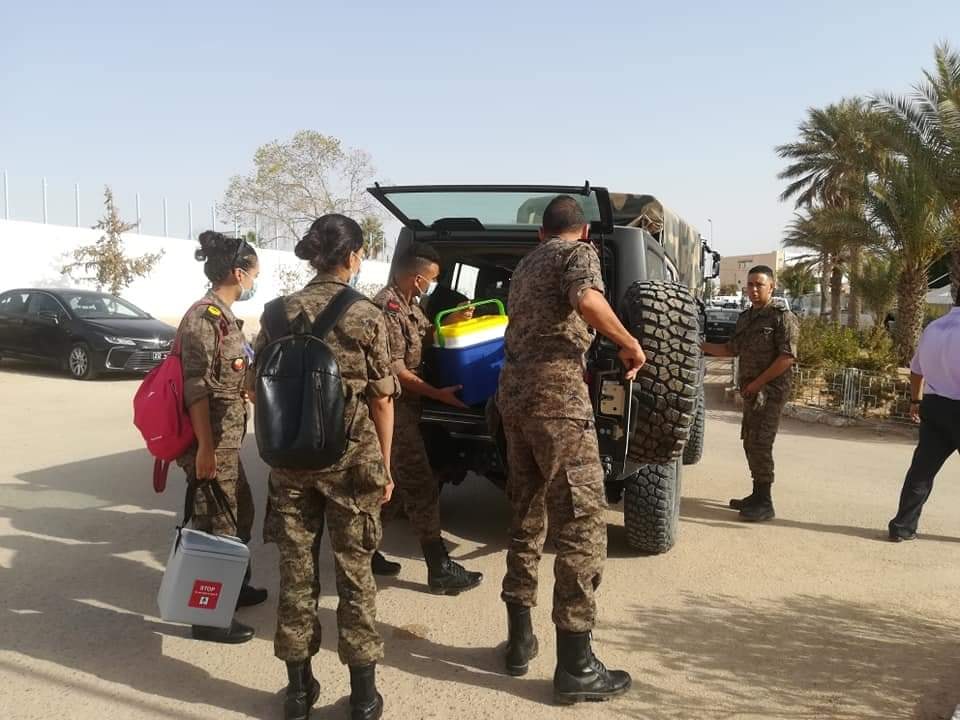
(734, 269)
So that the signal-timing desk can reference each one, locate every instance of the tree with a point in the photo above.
(104, 262)
(828, 251)
(925, 127)
(878, 284)
(839, 147)
(798, 280)
(373, 236)
(295, 182)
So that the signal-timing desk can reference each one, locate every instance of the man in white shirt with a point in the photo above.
(935, 404)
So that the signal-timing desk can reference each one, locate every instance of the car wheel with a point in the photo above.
(651, 508)
(80, 362)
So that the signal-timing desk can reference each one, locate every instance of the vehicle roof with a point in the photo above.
(60, 291)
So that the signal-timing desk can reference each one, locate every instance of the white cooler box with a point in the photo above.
(203, 577)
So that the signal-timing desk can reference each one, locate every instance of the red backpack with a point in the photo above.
(160, 414)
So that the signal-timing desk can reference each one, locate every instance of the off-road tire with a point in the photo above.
(693, 450)
(665, 318)
(651, 507)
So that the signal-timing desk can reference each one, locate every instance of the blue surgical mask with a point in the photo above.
(247, 293)
(354, 279)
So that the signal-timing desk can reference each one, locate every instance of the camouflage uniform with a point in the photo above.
(761, 336)
(417, 491)
(346, 496)
(215, 355)
(553, 461)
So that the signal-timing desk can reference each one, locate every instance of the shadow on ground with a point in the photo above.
(797, 657)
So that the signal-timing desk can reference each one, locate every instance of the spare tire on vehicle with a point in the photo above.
(664, 317)
(651, 507)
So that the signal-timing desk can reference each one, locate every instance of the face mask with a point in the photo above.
(430, 287)
(247, 293)
(354, 279)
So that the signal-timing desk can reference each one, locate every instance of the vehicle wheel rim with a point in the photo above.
(78, 362)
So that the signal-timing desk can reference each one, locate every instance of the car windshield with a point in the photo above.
(492, 208)
(94, 306)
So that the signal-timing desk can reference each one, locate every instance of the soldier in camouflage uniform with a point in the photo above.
(346, 497)
(554, 472)
(418, 490)
(765, 340)
(215, 355)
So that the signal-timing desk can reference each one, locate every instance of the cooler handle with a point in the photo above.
(440, 315)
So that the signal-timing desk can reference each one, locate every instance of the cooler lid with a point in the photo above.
(473, 325)
(196, 541)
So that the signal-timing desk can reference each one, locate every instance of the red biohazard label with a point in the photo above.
(205, 594)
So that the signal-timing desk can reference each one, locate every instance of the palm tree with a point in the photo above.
(925, 126)
(877, 281)
(903, 213)
(798, 280)
(839, 147)
(827, 249)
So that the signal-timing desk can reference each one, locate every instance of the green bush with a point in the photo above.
(825, 345)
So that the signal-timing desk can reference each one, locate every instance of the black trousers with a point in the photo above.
(939, 439)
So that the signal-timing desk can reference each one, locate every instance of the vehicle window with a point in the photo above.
(465, 279)
(94, 306)
(655, 267)
(14, 303)
(41, 302)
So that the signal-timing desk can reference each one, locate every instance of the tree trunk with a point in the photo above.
(955, 271)
(836, 293)
(911, 306)
(826, 268)
(855, 304)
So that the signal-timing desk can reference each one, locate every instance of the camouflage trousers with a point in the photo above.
(348, 503)
(417, 491)
(554, 474)
(208, 515)
(758, 431)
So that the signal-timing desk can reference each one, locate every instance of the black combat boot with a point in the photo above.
(302, 691)
(234, 635)
(249, 595)
(741, 503)
(444, 576)
(365, 702)
(522, 645)
(384, 567)
(761, 509)
(580, 675)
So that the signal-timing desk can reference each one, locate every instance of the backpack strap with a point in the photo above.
(275, 319)
(341, 302)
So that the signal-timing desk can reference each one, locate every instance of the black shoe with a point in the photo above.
(365, 702)
(758, 511)
(522, 645)
(234, 635)
(741, 503)
(303, 691)
(902, 535)
(580, 676)
(250, 596)
(384, 567)
(444, 576)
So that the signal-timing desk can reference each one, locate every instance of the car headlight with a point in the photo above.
(119, 340)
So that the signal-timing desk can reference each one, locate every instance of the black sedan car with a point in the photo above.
(721, 323)
(87, 333)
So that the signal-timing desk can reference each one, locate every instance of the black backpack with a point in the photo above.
(299, 413)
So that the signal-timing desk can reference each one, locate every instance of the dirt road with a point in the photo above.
(812, 616)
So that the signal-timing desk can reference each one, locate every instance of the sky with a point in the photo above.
(685, 101)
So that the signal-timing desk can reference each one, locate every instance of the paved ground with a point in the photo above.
(813, 616)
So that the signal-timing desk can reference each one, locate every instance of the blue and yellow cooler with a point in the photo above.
(469, 353)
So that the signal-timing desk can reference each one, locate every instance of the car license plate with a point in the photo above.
(158, 356)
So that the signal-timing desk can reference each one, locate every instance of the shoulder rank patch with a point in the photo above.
(393, 306)
(214, 311)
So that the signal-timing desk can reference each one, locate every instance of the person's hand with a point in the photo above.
(206, 464)
(915, 412)
(633, 358)
(465, 314)
(448, 396)
(387, 491)
(751, 390)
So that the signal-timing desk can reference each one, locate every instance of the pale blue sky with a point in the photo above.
(682, 100)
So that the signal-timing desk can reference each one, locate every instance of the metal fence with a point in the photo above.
(850, 392)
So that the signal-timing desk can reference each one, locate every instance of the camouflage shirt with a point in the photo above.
(359, 342)
(761, 336)
(407, 329)
(546, 339)
(215, 355)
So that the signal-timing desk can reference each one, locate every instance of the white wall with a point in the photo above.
(33, 255)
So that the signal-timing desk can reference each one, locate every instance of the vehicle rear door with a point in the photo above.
(45, 330)
(13, 315)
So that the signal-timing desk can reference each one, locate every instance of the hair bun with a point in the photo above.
(308, 246)
(200, 255)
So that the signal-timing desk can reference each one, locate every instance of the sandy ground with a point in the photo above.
(812, 616)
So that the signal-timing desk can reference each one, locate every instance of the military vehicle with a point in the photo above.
(654, 267)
